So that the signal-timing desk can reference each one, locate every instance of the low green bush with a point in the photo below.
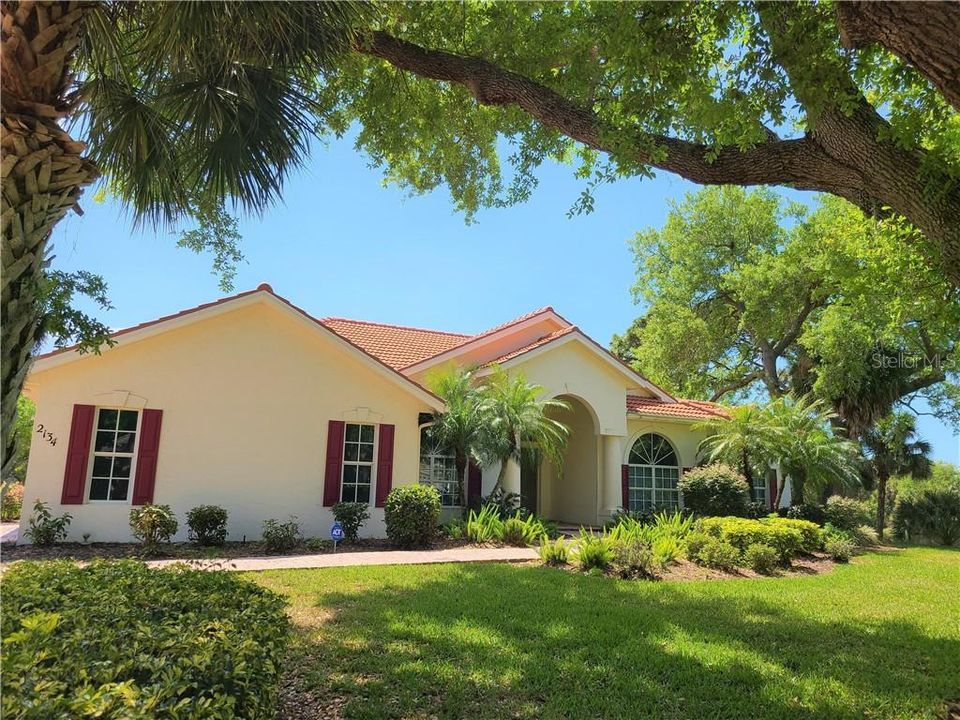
(153, 525)
(788, 537)
(351, 516)
(116, 640)
(719, 554)
(633, 559)
(715, 489)
(847, 513)
(484, 526)
(281, 537)
(412, 513)
(666, 549)
(207, 525)
(761, 558)
(594, 551)
(454, 530)
(810, 532)
(45, 528)
(807, 511)
(555, 552)
(931, 513)
(839, 548)
(694, 543)
(11, 500)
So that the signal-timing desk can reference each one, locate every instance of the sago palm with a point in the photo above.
(893, 448)
(516, 415)
(176, 105)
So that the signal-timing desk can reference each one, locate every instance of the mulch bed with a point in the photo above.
(188, 551)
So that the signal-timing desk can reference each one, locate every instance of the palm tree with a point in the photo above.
(179, 106)
(458, 428)
(745, 440)
(516, 416)
(809, 450)
(893, 448)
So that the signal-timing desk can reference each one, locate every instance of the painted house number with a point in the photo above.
(47, 435)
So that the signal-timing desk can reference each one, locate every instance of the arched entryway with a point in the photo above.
(569, 494)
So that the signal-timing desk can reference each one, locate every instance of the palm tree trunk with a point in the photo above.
(747, 472)
(43, 174)
(882, 476)
(460, 461)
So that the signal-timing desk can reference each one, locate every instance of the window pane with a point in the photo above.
(128, 419)
(366, 453)
(363, 474)
(101, 466)
(363, 494)
(349, 474)
(351, 452)
(353, 433)
(125, 442)
(118, 489)
(104, 442)
(98, 488)
(348, 493)
(121, 467)
(107, 420)
(366, 433)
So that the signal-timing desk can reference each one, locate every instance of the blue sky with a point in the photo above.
(342, 244)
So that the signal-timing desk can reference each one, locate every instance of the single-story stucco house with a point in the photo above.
(252, 404)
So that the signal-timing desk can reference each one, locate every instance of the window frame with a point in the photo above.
(372, 464)
(761, 486)
(433, 482)
(655, 475)
(133, 455)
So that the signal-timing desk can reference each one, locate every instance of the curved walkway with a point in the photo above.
(347, 559)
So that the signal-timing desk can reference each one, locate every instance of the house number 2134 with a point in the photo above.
(47, 435)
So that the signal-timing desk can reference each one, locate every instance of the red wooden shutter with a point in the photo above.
(78, 454)
(625, 486)
(146, 475)
(772, 489)
(474, 485)
(385, 464)
(331, 482)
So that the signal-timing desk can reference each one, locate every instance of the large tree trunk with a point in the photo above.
(923, 34)
(43, 173)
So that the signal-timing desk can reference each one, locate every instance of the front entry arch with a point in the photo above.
(569, 493)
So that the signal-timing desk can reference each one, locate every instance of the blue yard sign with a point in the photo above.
(336, 534)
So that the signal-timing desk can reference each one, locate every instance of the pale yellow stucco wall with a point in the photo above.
(246, 397)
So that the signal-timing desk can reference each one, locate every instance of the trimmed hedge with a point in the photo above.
(116, 639)
(715, 489)
(788, 537)
(412, 513)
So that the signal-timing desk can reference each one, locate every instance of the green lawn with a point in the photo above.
(877, 639)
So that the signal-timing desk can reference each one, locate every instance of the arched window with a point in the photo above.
(438, 467)
(653, 473)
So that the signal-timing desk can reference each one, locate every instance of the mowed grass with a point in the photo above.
(879, 638)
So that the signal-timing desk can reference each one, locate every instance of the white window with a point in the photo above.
(438, 467)
(759, 493)
(357, 463)
(653, 472)
(114, 448)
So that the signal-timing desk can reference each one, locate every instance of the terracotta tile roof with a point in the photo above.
(684, 409)
(535, 344)
(395, 345)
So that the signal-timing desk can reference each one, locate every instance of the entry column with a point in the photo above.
(611, 493)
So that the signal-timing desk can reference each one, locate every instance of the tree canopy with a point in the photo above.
(743, 291)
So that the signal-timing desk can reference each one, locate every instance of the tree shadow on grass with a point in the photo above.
(497, 641)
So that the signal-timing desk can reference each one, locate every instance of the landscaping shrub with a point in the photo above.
(412, 513)
(666, 549)
(280, 537)
(351, 516)
(594, 551)
(207, 524)
(520, 532)
(810, 532)
(152, 525)
(694, 543)
(646, 516)
(932, 513)
(675, 525)
(45, 527)
(839, 548)
(118, 640)
(714, 489)
(484, 526)
(779, 533)
(11, 501)
(454, 530)
(864, 535)
(555, 552)
(756, 510)
(847, 513)
(719, 554)
(633, 559)
(761, 558)
(807, 511)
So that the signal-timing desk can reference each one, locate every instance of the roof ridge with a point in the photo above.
(395, 326)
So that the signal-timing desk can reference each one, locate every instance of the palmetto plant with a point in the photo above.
(515, 416)
(893, 448)
(176, 105)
